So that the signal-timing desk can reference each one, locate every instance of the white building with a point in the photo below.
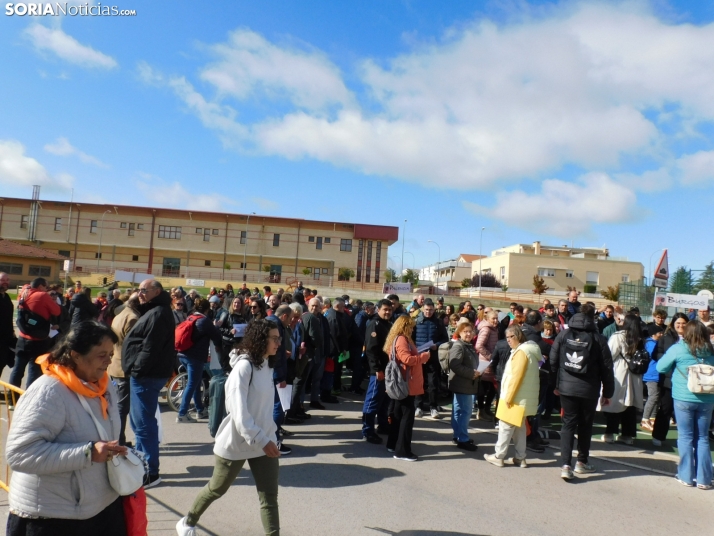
(449, 273)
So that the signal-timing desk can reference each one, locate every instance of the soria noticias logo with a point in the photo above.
(56, 9)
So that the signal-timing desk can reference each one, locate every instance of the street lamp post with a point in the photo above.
(438, 262)
(101, 231)
(404, 236)
(245, 244)
(413, 258)
(480, 272)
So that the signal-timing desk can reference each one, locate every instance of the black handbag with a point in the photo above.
(639, 362)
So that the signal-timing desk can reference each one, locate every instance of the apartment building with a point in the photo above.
(560, 267)
(182, 243)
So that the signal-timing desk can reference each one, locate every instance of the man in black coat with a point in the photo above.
(429, 328)
(581, 366)
(8, 339)
(315, 350)
(148, 359)
(339, 337)
(376, 402)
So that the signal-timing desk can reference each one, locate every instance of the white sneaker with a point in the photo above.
(627, 440)
(435, 413)
(656, 442)
(608, 438)
(184, 530)
(203, 414)
(419, 412)
(185, 418)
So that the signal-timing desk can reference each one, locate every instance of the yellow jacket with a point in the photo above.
(521, 383)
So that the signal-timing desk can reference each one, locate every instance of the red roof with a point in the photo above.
(13, 249)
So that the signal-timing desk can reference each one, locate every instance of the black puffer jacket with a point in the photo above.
(148, 350)
(599, 369)
(81, 308)
(462, 358)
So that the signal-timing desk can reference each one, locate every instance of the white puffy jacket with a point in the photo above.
(52, 477)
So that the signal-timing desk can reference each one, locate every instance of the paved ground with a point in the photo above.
(336, 483)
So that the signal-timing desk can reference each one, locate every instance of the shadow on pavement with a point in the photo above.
(422, 532)
(333, 475)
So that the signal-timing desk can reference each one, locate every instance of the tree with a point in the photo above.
(487, 280)
(681, 281)
(611, 293)
(466, 283)
(571, 289)
(306, 271)
(266, 268)
(706, 279)
(539, 286)
(410, 276)
(390, 275)
(344, 274)
(227, 266)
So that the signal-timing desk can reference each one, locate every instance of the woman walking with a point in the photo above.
(485, 344)
(693, 410)
(247, 432)
(399, 346)
(463, 382)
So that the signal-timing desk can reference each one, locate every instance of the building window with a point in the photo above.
(63, 252)
(206, 263)
(319, 243)
(135, 258)
(58, 224)
(131, 229)
(242, 265)
(206, 235)
(310, 238)
(140, 226)
(592, 278)
(243, 236)
(360, 250)
(327, 240)
(24, 221)
(569, 274)
(215, 232)
(170, 231)
(378, 262)
(316, 273)
(39, 271)
(324, 270)
(503, 273)
(546, 272)
(97, 255)
(122, 225)
(93, 227)
(11, 268)
(369, 262)
(625, 278)
(199, 230)
(276, 240)
(346, 244)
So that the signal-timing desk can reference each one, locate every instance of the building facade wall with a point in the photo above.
(24, 269)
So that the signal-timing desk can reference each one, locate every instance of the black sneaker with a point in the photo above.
(534, 447)
(373, 438)
(330, 400)
(151, 480)
(293, 420)
(304, 416)
(466, 445)
(407, 458)
(316, 405)
(284, 451)
(283, 432)
(383, 430)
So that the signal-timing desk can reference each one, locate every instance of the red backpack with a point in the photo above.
(184, 333)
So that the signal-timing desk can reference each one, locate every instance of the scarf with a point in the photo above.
(67, 376)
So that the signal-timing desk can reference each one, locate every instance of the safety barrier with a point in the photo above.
(9, 397)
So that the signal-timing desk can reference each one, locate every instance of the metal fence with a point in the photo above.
(10, 394)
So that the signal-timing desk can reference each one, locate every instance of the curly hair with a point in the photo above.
(81, 338)
(255, 342)
(403, 326)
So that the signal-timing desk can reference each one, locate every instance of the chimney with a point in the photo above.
(536, 246)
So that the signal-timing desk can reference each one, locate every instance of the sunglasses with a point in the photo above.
(179, 305)
(255, 307)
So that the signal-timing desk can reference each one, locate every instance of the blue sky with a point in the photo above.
(589, 123)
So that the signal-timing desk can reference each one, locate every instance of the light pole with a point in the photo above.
(413, 260)
(437, 262)
(480, 273)
(101, 232)
(245, 244)
(650, 270)
(404, 236)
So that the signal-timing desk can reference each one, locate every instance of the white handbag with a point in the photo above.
(126, 473)
(700, 378)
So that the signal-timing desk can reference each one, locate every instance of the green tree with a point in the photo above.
(410, 276)
(465, 283)
(706, 279)
(390, 275)
(306, 271)
(344, 274)
(611, 293)
(539, 286)
(681, 281)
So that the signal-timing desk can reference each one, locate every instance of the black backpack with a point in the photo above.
(576, 351)
(30, 323)
(639, 362)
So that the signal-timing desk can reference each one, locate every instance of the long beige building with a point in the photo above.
(198, 244)
(560, 267)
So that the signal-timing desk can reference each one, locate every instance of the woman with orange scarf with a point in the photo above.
(60, 483)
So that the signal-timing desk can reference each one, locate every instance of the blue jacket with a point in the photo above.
(429, 329)
(651, 375)
(280, 369)
(678, 357)
(203, 333)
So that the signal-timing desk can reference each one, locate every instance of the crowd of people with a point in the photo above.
(511, 369)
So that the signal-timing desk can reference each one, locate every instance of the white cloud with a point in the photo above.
(161, 193)
(265, 205)
(696, 168)
(249, 64)
(67, 47)
(17, 169)
(62, 147)
(564, 209)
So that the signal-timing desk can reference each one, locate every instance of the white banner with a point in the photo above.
(67, 265)
(195, 282)
(397, 288)
(685, 301)
(131, 277)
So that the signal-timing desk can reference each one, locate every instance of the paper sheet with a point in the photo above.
(483, 365)
(215, 363)
(424, 347)
(53, 333)
(240, 329)
(285, 394)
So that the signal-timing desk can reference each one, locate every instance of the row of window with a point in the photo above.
(591, 278)
(16, 269)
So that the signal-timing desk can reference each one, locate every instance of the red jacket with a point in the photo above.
(41, 303)
(410, 363)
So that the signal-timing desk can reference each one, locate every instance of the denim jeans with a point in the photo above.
(144, 398)
(194, 367)
(461, 415)
(26, 353)
(376, 403)
(695, 458)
